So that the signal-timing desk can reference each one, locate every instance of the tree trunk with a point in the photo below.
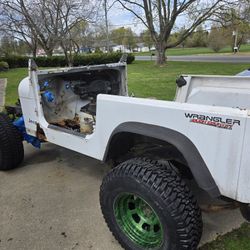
(33, 47)
(66, 56)
(49, 52)
(161, 55)
(77, 48)
(70, 58)
(34, 53)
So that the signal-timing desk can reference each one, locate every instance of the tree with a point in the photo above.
(10, 46)
(124, 36)
(45, 22)
(7, 46)
(199, 38)
(106, 9)
(97, 36)
(146, 39)
(246, 10)
(129, 39)
(216, 39)
(80, 34)
(160, 16)
(235, 21)
(14, 25)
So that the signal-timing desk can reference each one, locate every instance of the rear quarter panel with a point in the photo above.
(220, 148)
(243, 193)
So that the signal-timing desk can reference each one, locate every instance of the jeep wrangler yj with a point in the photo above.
(153, 146)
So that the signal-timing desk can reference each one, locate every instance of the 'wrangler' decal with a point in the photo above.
(213, 121)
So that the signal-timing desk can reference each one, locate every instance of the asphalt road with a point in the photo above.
(51, 202)
(202, 58)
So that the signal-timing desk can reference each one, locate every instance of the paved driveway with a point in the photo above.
(52, 203)
(202, 58)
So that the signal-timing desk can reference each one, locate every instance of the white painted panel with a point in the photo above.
(243, 193)
(220, 148)
(226, 91)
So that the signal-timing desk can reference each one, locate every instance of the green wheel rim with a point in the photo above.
(138, 221)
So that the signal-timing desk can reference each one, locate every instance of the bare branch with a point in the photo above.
(48, 22)
(160, 16)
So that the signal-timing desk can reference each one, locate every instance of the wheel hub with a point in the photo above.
(138, 221)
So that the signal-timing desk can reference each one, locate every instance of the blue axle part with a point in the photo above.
(49, 96)
(19, 124)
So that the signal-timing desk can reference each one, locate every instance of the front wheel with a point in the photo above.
(148, 206)
(11, 144)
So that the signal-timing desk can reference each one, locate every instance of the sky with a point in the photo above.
(119, 17)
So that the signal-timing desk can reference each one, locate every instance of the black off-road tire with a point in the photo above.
(245, 211)
(165, 192)
(11, 144)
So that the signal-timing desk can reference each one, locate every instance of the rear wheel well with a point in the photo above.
(133, 139)
(127, 145)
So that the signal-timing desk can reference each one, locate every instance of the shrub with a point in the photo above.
(60, 61)
(53, 61)
(4, 66)
(16, 61)
(130, 59)
(216, 39)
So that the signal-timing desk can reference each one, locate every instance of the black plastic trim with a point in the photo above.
(181, 82)
(191, 154)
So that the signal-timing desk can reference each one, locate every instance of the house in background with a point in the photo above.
(141, 47)
(121, 48)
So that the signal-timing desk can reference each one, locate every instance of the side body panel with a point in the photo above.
(244, 176)
(244, 183)
(220, 148)
(29, 105)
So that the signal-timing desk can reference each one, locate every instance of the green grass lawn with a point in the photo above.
(14, 77)
(147, 80)
(196, 51)
(236, 240)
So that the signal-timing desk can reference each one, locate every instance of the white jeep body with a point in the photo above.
(208, 123)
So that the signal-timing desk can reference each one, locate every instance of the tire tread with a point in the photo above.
(163, 180)
(10, 143)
